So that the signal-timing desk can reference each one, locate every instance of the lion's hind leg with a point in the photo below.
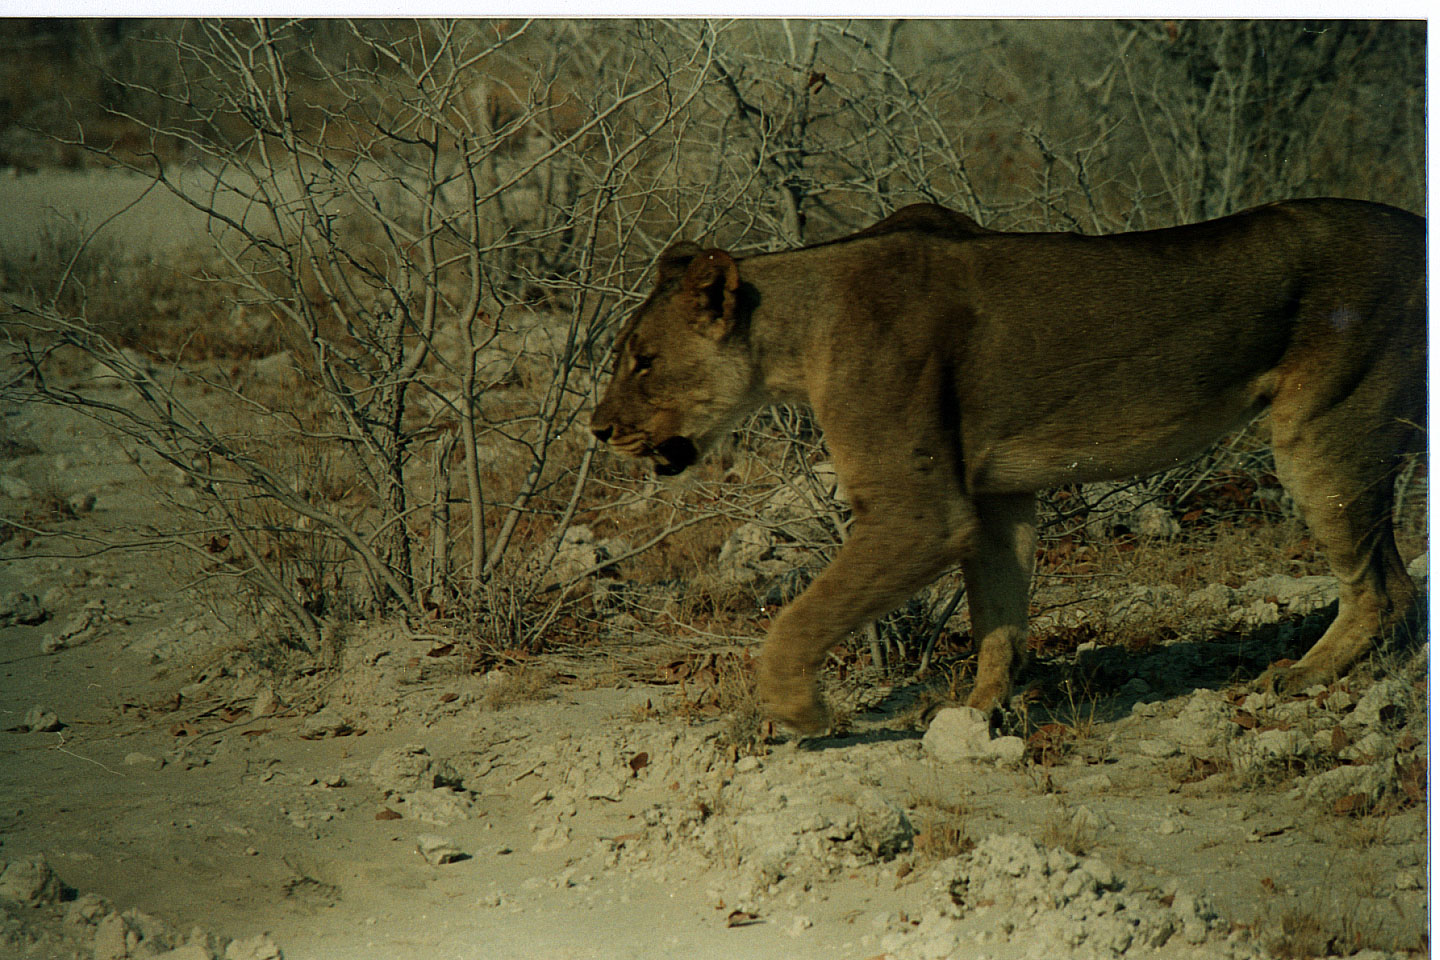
(1343, 480)
(997, 577)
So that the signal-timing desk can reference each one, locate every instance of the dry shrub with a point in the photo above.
(1328, 923)
(942, 829)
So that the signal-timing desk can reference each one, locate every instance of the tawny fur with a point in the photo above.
(955, 371)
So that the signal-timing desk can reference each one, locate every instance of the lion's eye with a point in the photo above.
(643, 364)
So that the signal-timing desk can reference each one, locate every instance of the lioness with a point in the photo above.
(955, 371)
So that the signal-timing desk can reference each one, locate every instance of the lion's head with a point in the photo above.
(683, 373)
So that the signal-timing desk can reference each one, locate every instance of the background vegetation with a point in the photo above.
(373, 384)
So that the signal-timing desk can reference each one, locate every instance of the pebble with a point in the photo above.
(138, 759)
(1157, 749)
(80, 503)
(31, 882)
(15, 488)
(437, 850)
(958, 733)
(260, 947)
(41, 720)
(21, 609)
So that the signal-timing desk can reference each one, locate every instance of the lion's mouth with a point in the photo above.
(673, 455)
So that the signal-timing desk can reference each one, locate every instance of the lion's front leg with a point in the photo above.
(877, 569)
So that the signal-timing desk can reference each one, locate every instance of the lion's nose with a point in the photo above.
(602, 432)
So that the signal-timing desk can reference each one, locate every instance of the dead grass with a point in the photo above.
(942, 829)
(521, 683)
(1330, 923)
(1072, 830)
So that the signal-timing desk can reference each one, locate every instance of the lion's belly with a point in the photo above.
(1095, 446)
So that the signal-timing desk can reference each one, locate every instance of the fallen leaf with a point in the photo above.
(388, 814)
(449, 697)
(739, 918)
(639, 762)
(1339, 739)
(1350, 803)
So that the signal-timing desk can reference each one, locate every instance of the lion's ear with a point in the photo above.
(713, 278)
(675, 259)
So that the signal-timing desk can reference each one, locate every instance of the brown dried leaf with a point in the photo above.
(387, 814)
(1350, 803)
(1339, 739)
(639, 762)
(739, 918)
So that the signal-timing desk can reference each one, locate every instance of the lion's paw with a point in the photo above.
(794, 701)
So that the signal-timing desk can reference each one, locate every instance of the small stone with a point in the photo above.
(52, 644)
(799, 924)
(1094, 783)
(41, 720)
(80, 503)
(403, 769)
(190, 951)
(958, 733)
(21, 609)
(326, 723)
(31, 882)
(114, 938)
(1157, 749)
(260, 947)
(88, 908)
(138, 759)
(15, 488)
(441, 806)
(1170, 826)
(437, 850)
(1008, 750)
(265, 702)
(551, 837)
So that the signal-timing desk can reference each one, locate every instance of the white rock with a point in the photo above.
(15, 488)
(260, 947)
(551, 837)
(21, 608)
(114, 938)
(958, 733)
(1387, 696)
(1205, 721)
(80, 503)
(41, 720)
(1156, 748)
(440, 806)
(1009, 751)
(31, 882)
(404, 769)
(190, 951)
(437, 850)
